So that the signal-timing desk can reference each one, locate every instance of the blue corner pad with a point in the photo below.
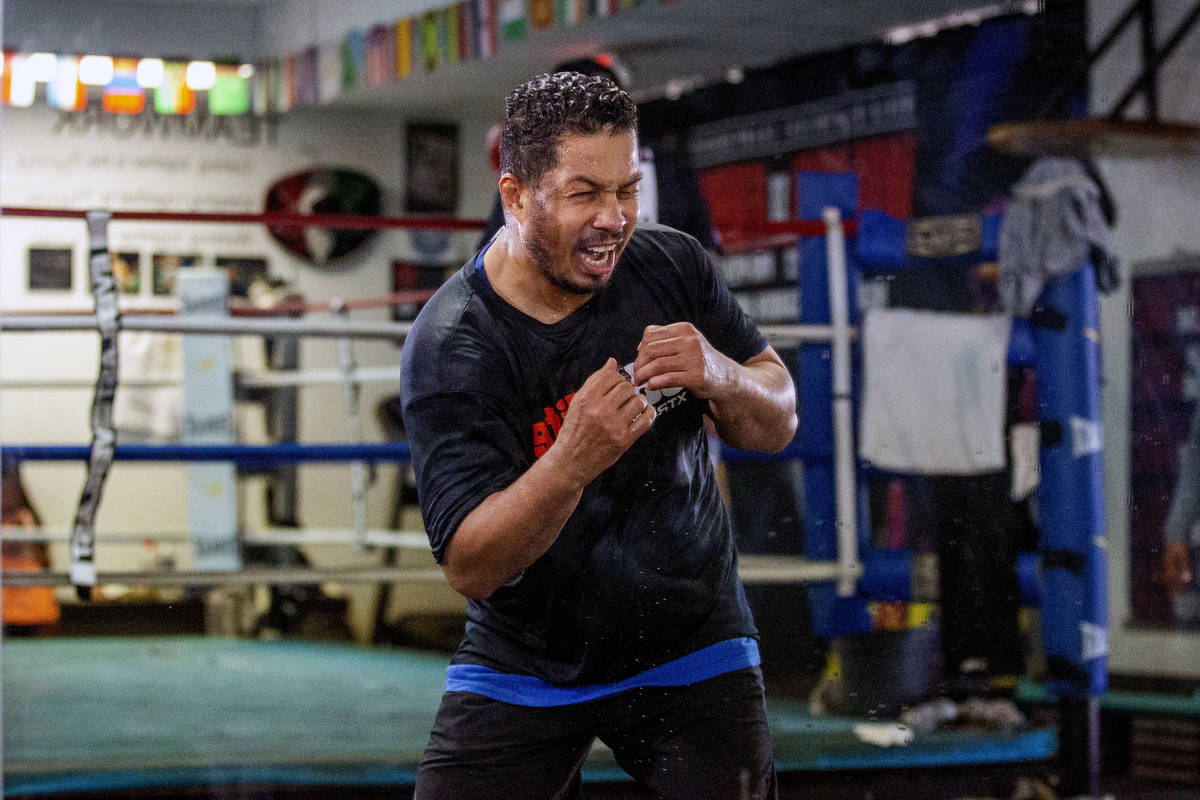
(816, 191)
(882, 244)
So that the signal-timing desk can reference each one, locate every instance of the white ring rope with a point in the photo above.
(316, 377)
(234, 326)
(752, 569)
(758, 569)
(256, 379)
(246, 576)
(374, 537)
(275, 326)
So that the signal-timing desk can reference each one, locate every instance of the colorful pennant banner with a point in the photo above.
(461, 32)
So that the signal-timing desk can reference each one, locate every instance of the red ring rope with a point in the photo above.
(342, 221)
(802, 227)
(239, 307)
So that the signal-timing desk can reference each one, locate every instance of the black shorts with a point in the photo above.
(704, 740)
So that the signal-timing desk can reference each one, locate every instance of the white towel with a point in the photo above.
(884, 734)
(934, 393)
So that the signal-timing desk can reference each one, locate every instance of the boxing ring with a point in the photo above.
(300, 717)
(345, 720)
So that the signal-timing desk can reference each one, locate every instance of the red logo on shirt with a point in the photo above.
(546, 430)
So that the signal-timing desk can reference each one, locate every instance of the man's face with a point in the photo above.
(583, 212)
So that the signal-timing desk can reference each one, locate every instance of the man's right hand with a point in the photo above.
(1176, 567)
(606, 416)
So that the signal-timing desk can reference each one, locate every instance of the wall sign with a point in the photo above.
(850, 115)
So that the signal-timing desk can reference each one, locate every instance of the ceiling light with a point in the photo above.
(201, 75)
(246, 71)
(95, 70)
(65, 92)
(21, 89)
(42, 67)
(150, 73)
(958, 19)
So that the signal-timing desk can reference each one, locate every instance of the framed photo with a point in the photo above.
(51, 269)
(1164, 393)
(127, 271)
(165, 266)
(243, 272)
(432, 168)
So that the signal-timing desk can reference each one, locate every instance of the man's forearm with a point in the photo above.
(510, 529)
(758, 412)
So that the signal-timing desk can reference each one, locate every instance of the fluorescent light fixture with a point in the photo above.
(21, 90)
(64, 91)
(95, 70)
(150, 73)
(43, 67)
(959, 19)
(201, 75)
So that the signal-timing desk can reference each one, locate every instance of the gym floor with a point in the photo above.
(202, 716)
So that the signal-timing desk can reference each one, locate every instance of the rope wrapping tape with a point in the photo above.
(104, 437)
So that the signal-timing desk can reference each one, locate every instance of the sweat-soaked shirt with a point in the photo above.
(645, 570)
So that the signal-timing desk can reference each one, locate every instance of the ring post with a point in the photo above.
(843, 421)
(833, 614)
(1074, 610)
(208, 419)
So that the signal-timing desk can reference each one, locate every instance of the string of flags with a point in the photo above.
(464, 31)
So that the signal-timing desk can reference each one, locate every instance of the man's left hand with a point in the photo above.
(679, 355)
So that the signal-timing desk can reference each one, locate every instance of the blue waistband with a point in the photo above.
(526, 690)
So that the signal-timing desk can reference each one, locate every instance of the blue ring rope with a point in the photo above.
(297, 453)
(266, 455)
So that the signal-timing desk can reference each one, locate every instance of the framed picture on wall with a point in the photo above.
(1164, 393)
(127, 271)
(165, 267)
(243, 273)
(50, 269)
(432, 168)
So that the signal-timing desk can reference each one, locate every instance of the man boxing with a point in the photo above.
(576, 506)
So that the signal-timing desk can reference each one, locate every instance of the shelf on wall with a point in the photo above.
(1094, 137)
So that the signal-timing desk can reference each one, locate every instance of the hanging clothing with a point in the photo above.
(1054, 223)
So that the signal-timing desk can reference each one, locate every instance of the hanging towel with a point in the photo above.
(1054, 223)
(934, 393)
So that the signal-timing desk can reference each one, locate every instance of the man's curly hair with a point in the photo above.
(539, 113)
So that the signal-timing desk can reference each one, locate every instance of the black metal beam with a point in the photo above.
(1161, 55)
(1150, 59)
(1080, 73)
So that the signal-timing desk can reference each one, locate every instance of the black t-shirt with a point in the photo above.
(645, 569)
